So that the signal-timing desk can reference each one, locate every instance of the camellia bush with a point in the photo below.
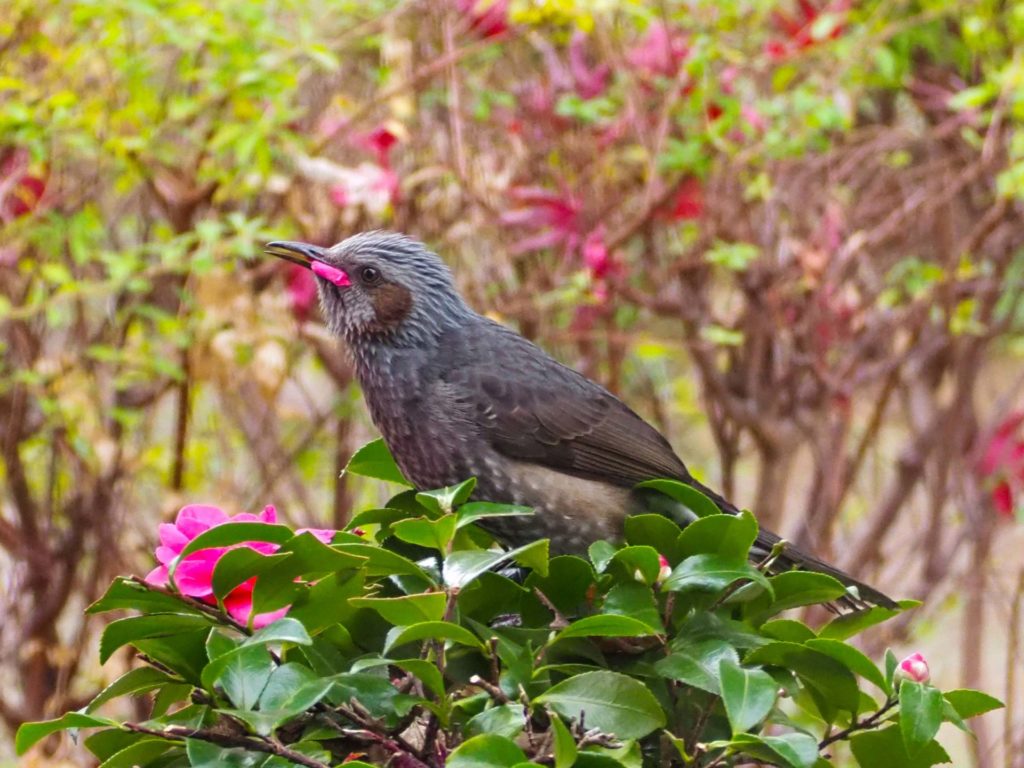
(409, 639)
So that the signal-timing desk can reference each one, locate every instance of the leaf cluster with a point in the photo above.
(416, 642)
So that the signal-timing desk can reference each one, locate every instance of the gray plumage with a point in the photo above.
(457, 395)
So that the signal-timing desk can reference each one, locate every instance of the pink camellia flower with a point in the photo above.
(193, 575)
(914, 668)
(21, 190)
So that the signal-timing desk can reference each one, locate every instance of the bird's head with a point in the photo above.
(379, 287)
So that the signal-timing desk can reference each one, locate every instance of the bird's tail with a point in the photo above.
(792, 557)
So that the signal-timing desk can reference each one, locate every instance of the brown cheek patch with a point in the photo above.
(391, 303)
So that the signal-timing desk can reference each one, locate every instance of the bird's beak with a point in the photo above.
(302, 254)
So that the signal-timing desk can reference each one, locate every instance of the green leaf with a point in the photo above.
(505, 720)
(654, 530)
(139, 753)
(443, 501)
(475, 511)
(850, 657)
(425, 532)
(241, 673)
(134, 628)
(920, 714)
(565, 748)
(792, 750)
(229, 534)
(184, 652)
(383, 562)
(711, 573)
(137, 680)
(850, 624)
(691, 498)
(633, 560)
(697, 663)
(488, 750)
(613, 702)
(408, 609)
(30, 733)
(238, 565)
(326, 603)
(460, 568)
(125, 593)
(605, 625)
(969, 703)
(830, 682)
(793, 589)
(284, 630)
(884, 749)
(748, 694)
(426, 671)
(600, 554)
(431, 630)
(729, 536)
(375, 460)
(636, 601)
(291, 690)
(203, 754)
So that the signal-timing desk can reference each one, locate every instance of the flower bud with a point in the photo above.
(913, 668)
(664, 570)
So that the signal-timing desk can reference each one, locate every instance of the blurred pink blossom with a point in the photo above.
(1002, 464)
(799, 27)
(380, 141)
(914, 668)
(193, 575)
(661, 51)
(589, 82)
(21, 188)
(687, 202)
(301, 289)
(373, 186)
(550, 219)
(487, 18)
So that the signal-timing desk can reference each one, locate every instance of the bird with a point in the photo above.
(456, 395)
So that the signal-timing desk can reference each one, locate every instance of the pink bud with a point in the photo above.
(664, 569)
(913, 668)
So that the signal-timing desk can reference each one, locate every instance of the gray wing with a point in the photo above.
(532, 408)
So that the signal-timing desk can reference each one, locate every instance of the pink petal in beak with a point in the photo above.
(330, 274)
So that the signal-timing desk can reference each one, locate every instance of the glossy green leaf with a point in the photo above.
(711, 573)
(30, 733)
(748, 694)
(691, 498)
(125, 593)
(850, 624)
(969, 703)
(238, 565)
(728, 536)
(230, 534)
(124, 631)
(426, 532)
(852, 658)
(137, 680)
(920, 714)
(443, 501)
(565, 749)
(884, 749)
(407, 609)
(431, 630)
(613, 702)
(481, 511)
(375, 460)
(606, 626)
(697, 663)
(488, 750)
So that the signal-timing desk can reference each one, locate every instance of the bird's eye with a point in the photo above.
(369, 275)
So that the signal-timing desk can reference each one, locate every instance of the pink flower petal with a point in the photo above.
(324, 535)
(157, 576)
(197, 518)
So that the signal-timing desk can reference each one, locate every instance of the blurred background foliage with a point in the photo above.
(789, 233)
